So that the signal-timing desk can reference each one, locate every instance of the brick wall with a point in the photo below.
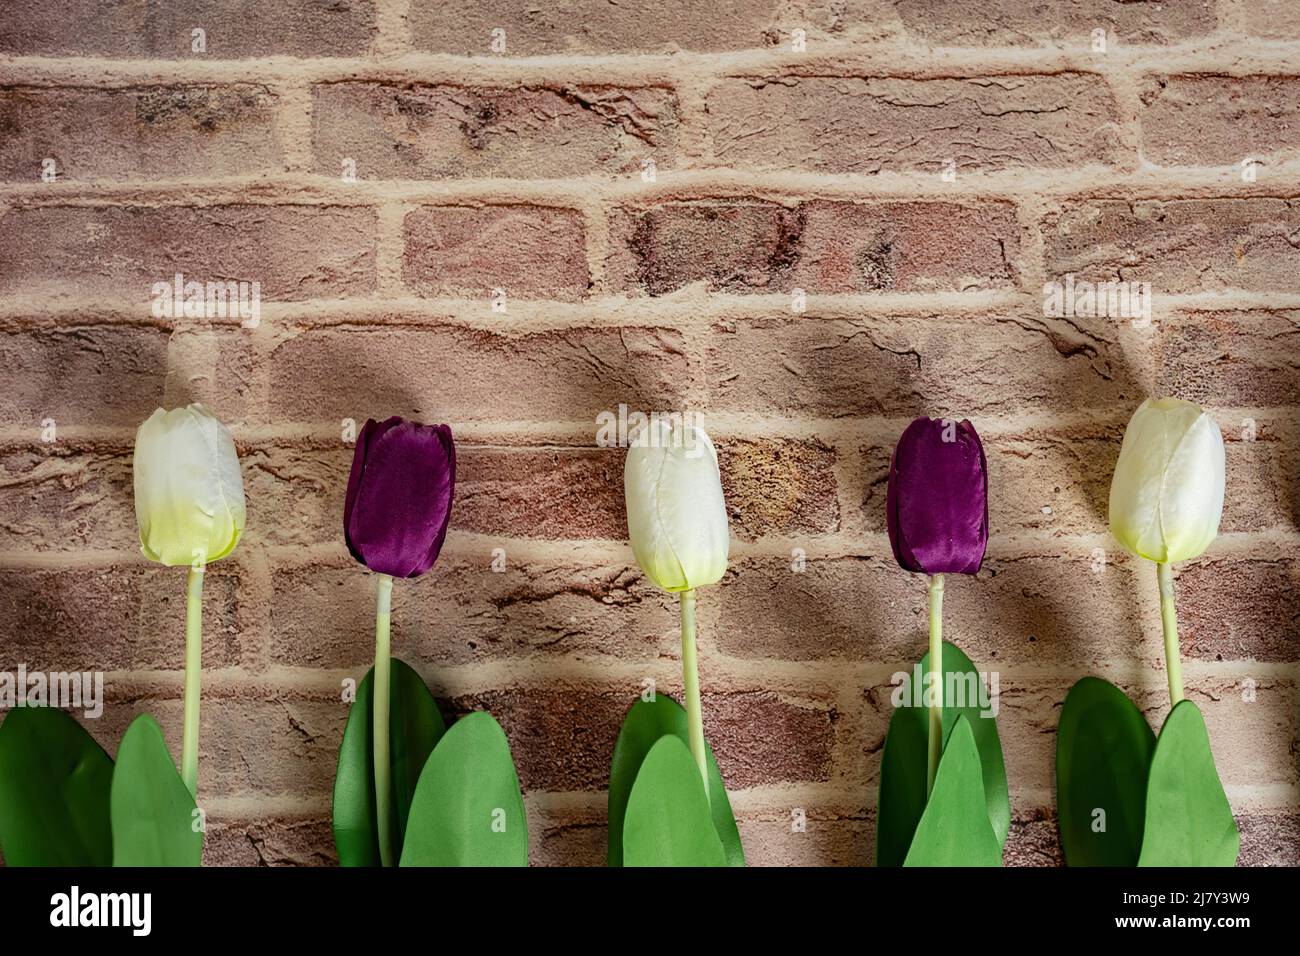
(774, 170)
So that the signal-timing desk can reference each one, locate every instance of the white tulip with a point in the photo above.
(1167, 494)
(189, 493)
(676, 517)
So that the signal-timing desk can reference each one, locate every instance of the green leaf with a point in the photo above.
(467, 809)
(955, 829)
(415, 727)
(903, 765)
(1103, 752)
(644, 724)
(901, 799)
(1188, 819)
(54, 791)
(668, 821)
(153, 815)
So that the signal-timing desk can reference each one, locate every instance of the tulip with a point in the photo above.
(189, 505)
(1167, 494)
(936, 506)
(189, 494)
(399, 496)
(676, 517)
(936, 511)
(677, 523)
(395, 518)
(1166, 499)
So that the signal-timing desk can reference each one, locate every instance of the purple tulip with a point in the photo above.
(937, 505)
(399, 496)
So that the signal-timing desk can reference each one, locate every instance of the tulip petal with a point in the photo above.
(369, 432)
(226, 487)
(189, 492)
(1166, 496)
(936, 505)
(647, 531)
(1192, 502)
(676, 515)
(399, 498)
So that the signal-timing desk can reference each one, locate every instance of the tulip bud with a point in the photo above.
(189, 493)
(399, 496)
(1167, 494)
(936, 506)
(676, 517)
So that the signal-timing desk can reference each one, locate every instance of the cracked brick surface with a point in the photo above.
(866, 125)
(439, 132)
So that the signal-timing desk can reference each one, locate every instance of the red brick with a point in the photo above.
(779, 487)
(867, 125)
(731, 246)
(1256, 498)
(1015, 611)
(269, 843)
(908, 247)
(453, 373)
(846, 609)
(295, 252)
(126, 617)
(1206, 120)
(1014, 22)
(821, 247)
(564, 741)
(828, 839)
(1275, 19)
(219, 366)
(61, 497)
(463, 612)
(577, 493)
(242, 28)
(567, 842)
(540, 493)
(529, 252)
(135, 133)
(82, 375)
(1178, 245)
(1269, 838)
(1229, 358)
(1053, 483)
(280, 747)
(295, 492)
(1238, 609)
(591, 27)
(287, 746)
(451, 132)
(1033, 840)
(965, 365)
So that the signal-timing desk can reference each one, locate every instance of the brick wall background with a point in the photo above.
(774, 170)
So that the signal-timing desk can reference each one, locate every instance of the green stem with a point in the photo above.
(383, 773)
(691, 677)
(1169, 618)
(935, 738)
(193, 672)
